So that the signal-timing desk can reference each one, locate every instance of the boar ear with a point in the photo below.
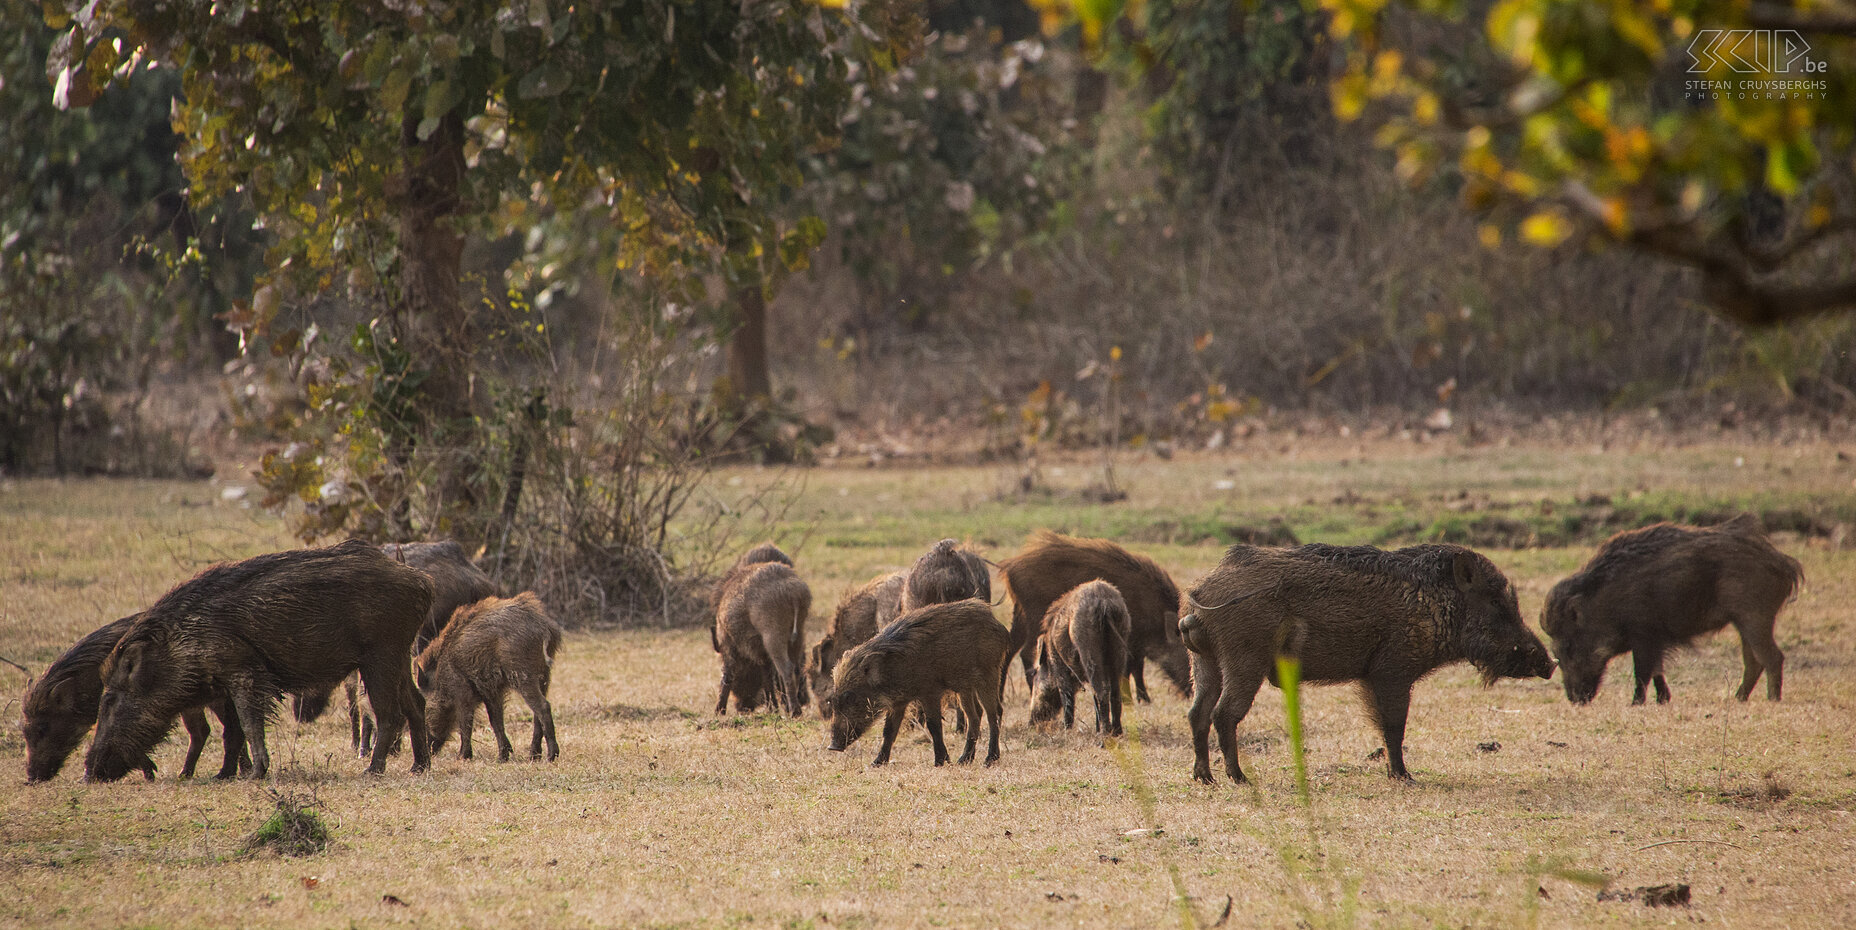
(63, 696)
(1463, 568)
(137, 665)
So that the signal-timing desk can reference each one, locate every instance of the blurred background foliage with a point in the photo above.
(674, 238)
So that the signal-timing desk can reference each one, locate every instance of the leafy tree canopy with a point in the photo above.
(1717, 133)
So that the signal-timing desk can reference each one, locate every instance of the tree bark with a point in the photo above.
(748, 377)
(431, 316)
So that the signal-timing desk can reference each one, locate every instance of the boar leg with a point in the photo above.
(1391, 704)
(1239, 691)
(892, 725)
(721, 699)
(1759, 651)
(1137, 665)
(493, 707)
(237, 758)
(536, 696)
(250, 709)
(931, 713)
(349, 686)
(414, 704)
(994, 710)
(970, 708)
(1647, 662)
(1207, 683)
(198, 730)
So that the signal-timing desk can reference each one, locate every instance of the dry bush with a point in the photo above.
(1323, 284)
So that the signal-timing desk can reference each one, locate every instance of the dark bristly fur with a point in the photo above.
(926, 653)
(296, 621)
(456, 582)
(1349, 613)
(1649, 590)
(946, 573)
(1085, 640)
(760, 632)
(861, 612)
(489, 648)
(1052, 564)
(61, 706)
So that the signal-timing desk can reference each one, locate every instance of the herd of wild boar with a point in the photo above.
(426, 637)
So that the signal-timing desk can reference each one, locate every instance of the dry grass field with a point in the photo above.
(659, 814)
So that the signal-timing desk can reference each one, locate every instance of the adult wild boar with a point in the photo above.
(489, 648)
(1053, 564)
(61, 706)
(1085, 640)
(760, 632)
(296, 621)
(1349, 613)
(925, 654)
(946, 573)
(1648, 590)
(861, 612)
(456, 581)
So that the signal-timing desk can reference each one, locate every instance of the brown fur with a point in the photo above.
(456, 581)
(1648, 590)
(760, 633)
(946, 573)
(61, 706)
(1348, 613)
(1053, 564)
(1085, 640)
(296, 621)
(488, 649)
(861, 613)
(926, 653)
(760, 554)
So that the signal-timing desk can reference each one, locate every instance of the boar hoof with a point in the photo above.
(1204, 777)
(990, 759)
(878, 763)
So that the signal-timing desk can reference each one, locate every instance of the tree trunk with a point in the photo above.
(748, 380)
(431, 316)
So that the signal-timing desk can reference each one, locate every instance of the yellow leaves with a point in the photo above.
(1424, 109)
(1514, 27)
(1348, 94)
(1489, 235)
(1114, 353)
(1386, 68)
(1547, 228)
(1629, 151)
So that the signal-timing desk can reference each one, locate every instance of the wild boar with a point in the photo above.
(760, 554)
(1052, 564)
(925, 654)
(861, 612)
(946, 573)
(296, 621)
(1648, 590)
(760, 633)
(61, 706)
(489, 648)
(456, 581)
(1085, 640)
(1348, 613)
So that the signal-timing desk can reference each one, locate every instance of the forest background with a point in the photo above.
(523, 276)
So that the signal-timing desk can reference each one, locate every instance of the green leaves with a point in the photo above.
(1662, 127)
